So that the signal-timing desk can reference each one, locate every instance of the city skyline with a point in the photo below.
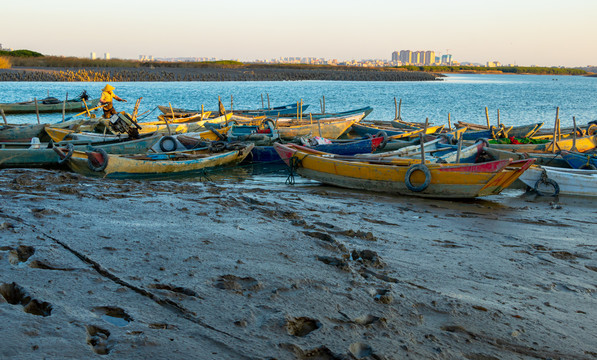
(542, 33)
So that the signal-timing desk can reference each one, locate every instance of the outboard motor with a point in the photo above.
(123, 123)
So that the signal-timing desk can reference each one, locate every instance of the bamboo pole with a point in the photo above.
(36, 110)
(498, 117)
(459, 151)
(136, 109)
(555, 131)
(64, 106)
(395, 109)
(400, 110)
(202, 113)
(166, 119)
(301, 107)
(262, 101)
(426, 125)
(574, 135)
(231, 104)
(3, 116)
(268, 106)
(487, 118)
(86, 108)
(449, 123)
(422, 141)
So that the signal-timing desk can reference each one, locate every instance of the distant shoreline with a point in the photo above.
(252, 73)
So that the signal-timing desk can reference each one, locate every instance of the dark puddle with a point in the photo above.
(113, 315)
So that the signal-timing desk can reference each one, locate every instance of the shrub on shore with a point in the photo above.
(5, 63)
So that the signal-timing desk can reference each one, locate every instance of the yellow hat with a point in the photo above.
(108, 87)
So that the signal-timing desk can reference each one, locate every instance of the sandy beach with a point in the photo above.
(244, 269)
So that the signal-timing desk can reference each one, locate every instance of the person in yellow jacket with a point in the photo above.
(106, 101)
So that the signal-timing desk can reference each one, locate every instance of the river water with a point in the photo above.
(521, 99)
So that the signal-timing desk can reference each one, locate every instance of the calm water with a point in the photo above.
(521, 99)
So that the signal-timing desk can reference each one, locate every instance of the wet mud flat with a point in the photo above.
(243, 269)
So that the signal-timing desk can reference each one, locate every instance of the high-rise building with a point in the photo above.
(447, 59)
(429, 58)
(107, 56)
(418, 57)
(92, 56)
(406, 56)
(395, 56)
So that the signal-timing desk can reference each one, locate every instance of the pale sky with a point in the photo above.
(522, 32)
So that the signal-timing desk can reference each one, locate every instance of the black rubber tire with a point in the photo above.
(588, 167)
(556, 187)
(102, 166)
(68, 155)
(217, 146)
(592, 130)
(168, 140)
(485, 141)
(410, 171)
(383, 135)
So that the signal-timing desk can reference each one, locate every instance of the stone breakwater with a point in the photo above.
(212, 74)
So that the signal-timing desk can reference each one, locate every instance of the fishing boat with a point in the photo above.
(581, 144)
(552, 181)
(44, 155)
(50, 104)
(97, 162)
(60, 134)
(576, 160)
(404, 176)
(371, 129)
(268, 154)
(321, 116)
(541, 158)
(288, 109)
(26, 132)
(329, 128)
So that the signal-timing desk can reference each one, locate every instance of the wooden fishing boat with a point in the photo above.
(576, 160)
(268, 154)
(43, 154)
(48, 105)
(548, 159)
(582, 144)
(552, 181)
(321, 116)
(25, 132)
(288, 109)
(60, 134)
(404, 176)
(154, 166)
(522, 131)
(370, 129)
(182, 127)
(329, 128)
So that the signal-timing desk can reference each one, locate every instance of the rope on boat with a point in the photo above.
(293, 164)
(146, 115)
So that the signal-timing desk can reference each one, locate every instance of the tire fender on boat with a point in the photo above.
(417, 167)
(168, 143)
(67, 156)
(92, 160)
(384, 136)
(548, 182)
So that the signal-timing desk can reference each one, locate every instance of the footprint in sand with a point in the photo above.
(16, 295)
(97, 338)
(301, 326)
(20, 254)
